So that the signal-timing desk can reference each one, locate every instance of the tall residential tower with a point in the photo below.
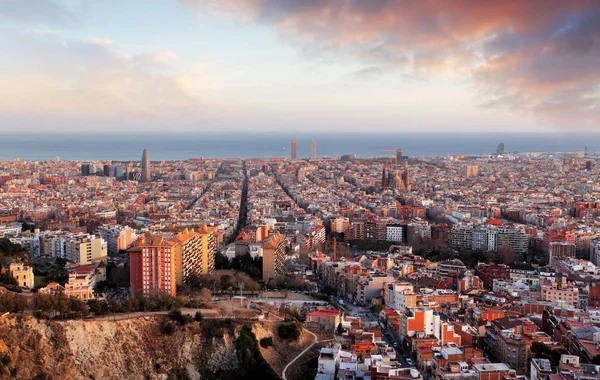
(293, 149)
(145, 167)
(313, 150)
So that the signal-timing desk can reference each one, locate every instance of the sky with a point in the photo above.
(299, 66)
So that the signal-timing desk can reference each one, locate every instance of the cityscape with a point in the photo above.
(300, 190)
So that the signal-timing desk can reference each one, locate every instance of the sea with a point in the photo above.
(180, 146)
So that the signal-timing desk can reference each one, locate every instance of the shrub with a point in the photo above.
(180, 318)
(5, 359)
(198, 317)
(289, 330)
(167, 328)
(266, 342)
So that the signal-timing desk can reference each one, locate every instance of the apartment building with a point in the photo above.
(85, 249)
(154, 262)
(117, 237)
(273, 250)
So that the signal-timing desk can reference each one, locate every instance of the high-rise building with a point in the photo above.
(293, 149)
(107, 170)
(273, 250)
(589, 165)
(197, 250)
(85, 170)
(153, 265)
(399, 156)
(313, 150)
(56, 160)
(117, 237)
(145, 167)
(85, 249)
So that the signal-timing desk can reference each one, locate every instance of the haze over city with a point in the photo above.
(339, 65)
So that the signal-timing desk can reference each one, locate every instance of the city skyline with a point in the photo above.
(321, 65)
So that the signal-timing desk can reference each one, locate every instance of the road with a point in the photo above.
(299, 355)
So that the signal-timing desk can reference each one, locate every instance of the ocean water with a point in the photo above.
(179, 146)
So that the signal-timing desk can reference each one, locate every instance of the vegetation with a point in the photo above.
(541, 351)
(10, 252)
(290, 330)
(223, 282)
(377, 308)
(340, 329)
(167, 328)
(252, 364)
(266, 342)
(242, 263)
(4, 359)
(177, 316)
(178, 373)
(291, 282)
(198, 317)
(60, 306)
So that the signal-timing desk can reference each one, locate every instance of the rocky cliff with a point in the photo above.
(137, 348)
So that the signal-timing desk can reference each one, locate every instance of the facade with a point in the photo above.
(23, 274)
(325, 319)
(146, 176)
(293, 156)
(197, 252)
(273, 250)
(117, 237)
(85, 249)
(153, 265)
(395, 232)
(313, 150)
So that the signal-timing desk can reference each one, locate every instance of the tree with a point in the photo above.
(114, 306)
(339, 329)
(377, 308)
(198, 317)
(507, 255)
(205, 295)
(98, 307)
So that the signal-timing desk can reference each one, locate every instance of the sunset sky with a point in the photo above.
(299, 65)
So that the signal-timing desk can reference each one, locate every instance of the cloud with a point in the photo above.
(537, 57)
(37, 12)
(81, 78)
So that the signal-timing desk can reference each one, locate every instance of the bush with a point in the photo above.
(4, 359)
(180, 318)
(376, 308)
(266, 342)
(198, 317)
(289, 330)
(167, 328)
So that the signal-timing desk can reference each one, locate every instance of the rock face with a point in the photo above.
(136, 348)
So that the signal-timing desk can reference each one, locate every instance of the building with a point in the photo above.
(85, 249)
(472, 171)
(153, 265)
(117, 237)
(146, 176)
(13, 229)
(83, 279)
(324, 319)
(313, 150)
(273, 250)
(560, 250)
(293, 156)
(395, 232)
(197, 252)
(23, 273)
